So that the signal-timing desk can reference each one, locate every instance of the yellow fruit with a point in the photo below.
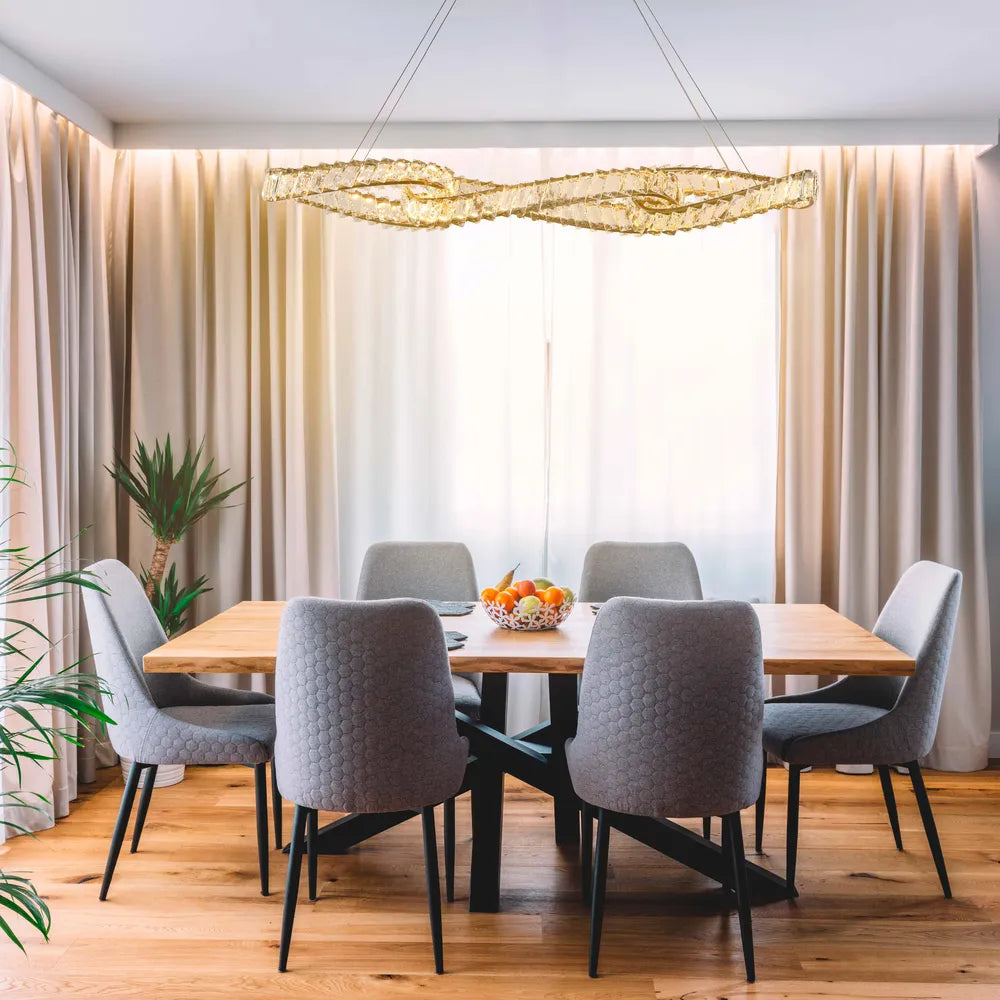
(508, 579)
(489, 595)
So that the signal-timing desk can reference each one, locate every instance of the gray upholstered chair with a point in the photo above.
(883, 721)
(167, 718)
(429, 571)
(664, 570)
(366, 723)
(670, 725)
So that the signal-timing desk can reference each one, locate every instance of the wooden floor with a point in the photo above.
(185, 919)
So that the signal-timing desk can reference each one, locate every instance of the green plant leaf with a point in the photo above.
(171, 601)
(19, 896)
(28, 694)
(171, 498)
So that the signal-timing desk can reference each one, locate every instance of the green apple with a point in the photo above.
(568, 596)
(542, 584)
(528, 605)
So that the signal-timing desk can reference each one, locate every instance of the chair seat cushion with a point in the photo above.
(824, 733)
(467, 696)
(210, 734)
(230, 696)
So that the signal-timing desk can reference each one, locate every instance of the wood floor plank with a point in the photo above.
(185, 918)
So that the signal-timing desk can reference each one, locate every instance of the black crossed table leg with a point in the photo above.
(537, 757)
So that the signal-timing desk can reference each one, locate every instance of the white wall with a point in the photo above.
(989, 303)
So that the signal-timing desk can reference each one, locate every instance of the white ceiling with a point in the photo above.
(287, 61)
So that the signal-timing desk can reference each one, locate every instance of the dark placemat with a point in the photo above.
(595, 608)
(452, 609)
(455, 640)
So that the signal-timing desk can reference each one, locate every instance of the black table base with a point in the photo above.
(537, 757)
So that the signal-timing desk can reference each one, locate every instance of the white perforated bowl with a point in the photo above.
(544, 617)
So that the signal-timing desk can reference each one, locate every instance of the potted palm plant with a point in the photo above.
(30, 699)
(171, 497)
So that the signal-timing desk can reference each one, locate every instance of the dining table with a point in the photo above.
(797, 639)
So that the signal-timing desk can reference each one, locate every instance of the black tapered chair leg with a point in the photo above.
(930, 828)
(121, 825)
(312, 849)
(276, 808)
(295, 849)
(706, 827)
(140, 816)
(433, 886)
(727, 868)
(449, 849)
(733, 834)
(600, 883)
(260, 794)
(885, 776)
(586, 849)
(758, 812)
(792, 827)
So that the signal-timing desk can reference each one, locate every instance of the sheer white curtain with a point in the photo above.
(663, 372)
(532, 388)
(440, 385)
(525, 389)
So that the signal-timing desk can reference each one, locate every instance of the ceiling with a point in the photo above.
(205, 61)
(311, 73)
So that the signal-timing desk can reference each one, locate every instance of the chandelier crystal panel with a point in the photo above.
(641, 200)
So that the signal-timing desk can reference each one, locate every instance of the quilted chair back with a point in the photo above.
(123, 628)
(431, 571)
(671, 709)
(919, 618)
(664, 570)
(365, 709)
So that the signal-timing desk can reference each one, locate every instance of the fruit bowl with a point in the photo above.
(546, 616)
(528, 605)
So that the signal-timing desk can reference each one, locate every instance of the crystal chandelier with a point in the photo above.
(409, 194)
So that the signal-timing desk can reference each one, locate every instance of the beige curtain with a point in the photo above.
(225, 313)
(55, 373)
(880, 445)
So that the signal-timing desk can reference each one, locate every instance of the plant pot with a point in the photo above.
(166, 774)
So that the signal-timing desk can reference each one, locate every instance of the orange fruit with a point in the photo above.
(553, 596)
(505, 600)
(513, 593)
(489, 595)
(525, 588)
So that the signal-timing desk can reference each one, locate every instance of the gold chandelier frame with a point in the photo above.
(411, 194)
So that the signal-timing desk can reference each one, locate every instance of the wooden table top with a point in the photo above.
(797, 639)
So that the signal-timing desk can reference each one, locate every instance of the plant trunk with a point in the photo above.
(157, 566)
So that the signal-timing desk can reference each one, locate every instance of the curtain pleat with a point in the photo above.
(880, 441)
